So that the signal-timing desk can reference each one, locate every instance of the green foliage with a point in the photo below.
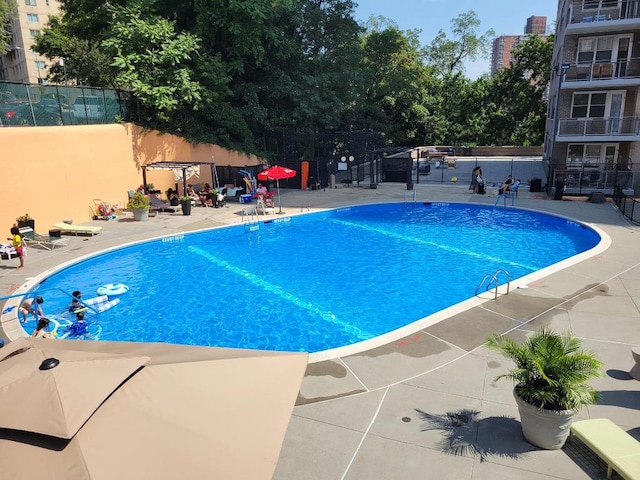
(448, 55)
(515, 101)
(139, 200)
(272, 77)
(8, 10)
(152, 61)
(551, 370)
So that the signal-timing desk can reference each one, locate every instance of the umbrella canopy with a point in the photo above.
(126, 410)
(277, 173)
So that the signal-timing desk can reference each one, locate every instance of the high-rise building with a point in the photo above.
(536, 25)
(503, 46)
(21, 64)
(592, 137)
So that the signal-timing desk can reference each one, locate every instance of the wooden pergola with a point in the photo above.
(181, 165)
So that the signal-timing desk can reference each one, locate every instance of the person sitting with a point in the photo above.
(204, 194)
(172, 197)
(262, 190)
(191, 193)
(40, 331)
(27, 308)
(505, 186)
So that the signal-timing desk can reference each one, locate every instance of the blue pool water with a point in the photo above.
(314, 282)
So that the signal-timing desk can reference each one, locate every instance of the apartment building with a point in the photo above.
(21, 64)
(592, 138)
(504, 45)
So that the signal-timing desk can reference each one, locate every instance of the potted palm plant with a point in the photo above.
(139, 204)
(551, 378)
(186, 205)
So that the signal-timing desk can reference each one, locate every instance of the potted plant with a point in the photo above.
(139, 204)
(26, 221)
(551, 378)
(186, 205)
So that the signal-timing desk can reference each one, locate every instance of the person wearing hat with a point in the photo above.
(27, 308)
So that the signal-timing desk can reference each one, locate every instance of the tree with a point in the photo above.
(153, 62)
(448, 55)
(515, 103)
(391, 95)
(8, 10)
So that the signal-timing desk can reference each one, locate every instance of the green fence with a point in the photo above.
(23, 104)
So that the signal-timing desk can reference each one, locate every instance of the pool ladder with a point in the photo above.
(250, 220)
(409, 194)
(493, 279)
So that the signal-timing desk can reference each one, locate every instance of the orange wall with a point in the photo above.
(55, 173)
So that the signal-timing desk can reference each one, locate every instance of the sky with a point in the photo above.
(506, 17)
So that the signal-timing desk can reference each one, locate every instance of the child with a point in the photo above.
(27, 308)
(76, 303)
(79, 327)
(16, 238)
(40, 331)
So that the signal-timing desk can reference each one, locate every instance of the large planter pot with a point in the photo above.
(186, 207)
(140, 214)
(28, 223)
(546, 429)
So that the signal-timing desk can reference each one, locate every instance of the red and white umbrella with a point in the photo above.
(277, 173)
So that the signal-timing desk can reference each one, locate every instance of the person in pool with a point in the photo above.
(27, 308)
(79, 327)
(40, 331)
(76, 303)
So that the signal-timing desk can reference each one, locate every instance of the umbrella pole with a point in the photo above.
(279, 199)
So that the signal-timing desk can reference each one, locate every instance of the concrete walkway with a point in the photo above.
(426, 405)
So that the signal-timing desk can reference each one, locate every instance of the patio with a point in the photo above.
(426, 405)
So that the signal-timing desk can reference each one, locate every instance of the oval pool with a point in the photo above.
(313, 282)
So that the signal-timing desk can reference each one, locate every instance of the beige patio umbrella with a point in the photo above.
(114, 410)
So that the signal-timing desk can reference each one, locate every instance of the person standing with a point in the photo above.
(16, 239)
(27, 308)
(474, 179)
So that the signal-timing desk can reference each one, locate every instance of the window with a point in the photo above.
(32, 17)
(596, 4)
(40, 65)
(598, 104)
(33, 33)
(591, 154)
(30, 3)
(589, 105)
(595, 49)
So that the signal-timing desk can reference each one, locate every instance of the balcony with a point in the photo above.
(604, 18)
(626, 129)
(620, 73)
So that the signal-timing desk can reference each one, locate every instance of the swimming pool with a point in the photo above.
(318, 281)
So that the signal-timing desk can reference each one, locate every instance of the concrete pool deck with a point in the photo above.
(426, 405)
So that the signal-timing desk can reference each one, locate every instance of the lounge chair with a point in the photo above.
(160, 206)
(77, 229)
(33, 239)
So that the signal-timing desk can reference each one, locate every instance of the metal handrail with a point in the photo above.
(406, 194)
(494, 278)
(251, 221)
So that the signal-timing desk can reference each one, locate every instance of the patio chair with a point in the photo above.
(47, 242)
(78, 229)
(160, 206)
